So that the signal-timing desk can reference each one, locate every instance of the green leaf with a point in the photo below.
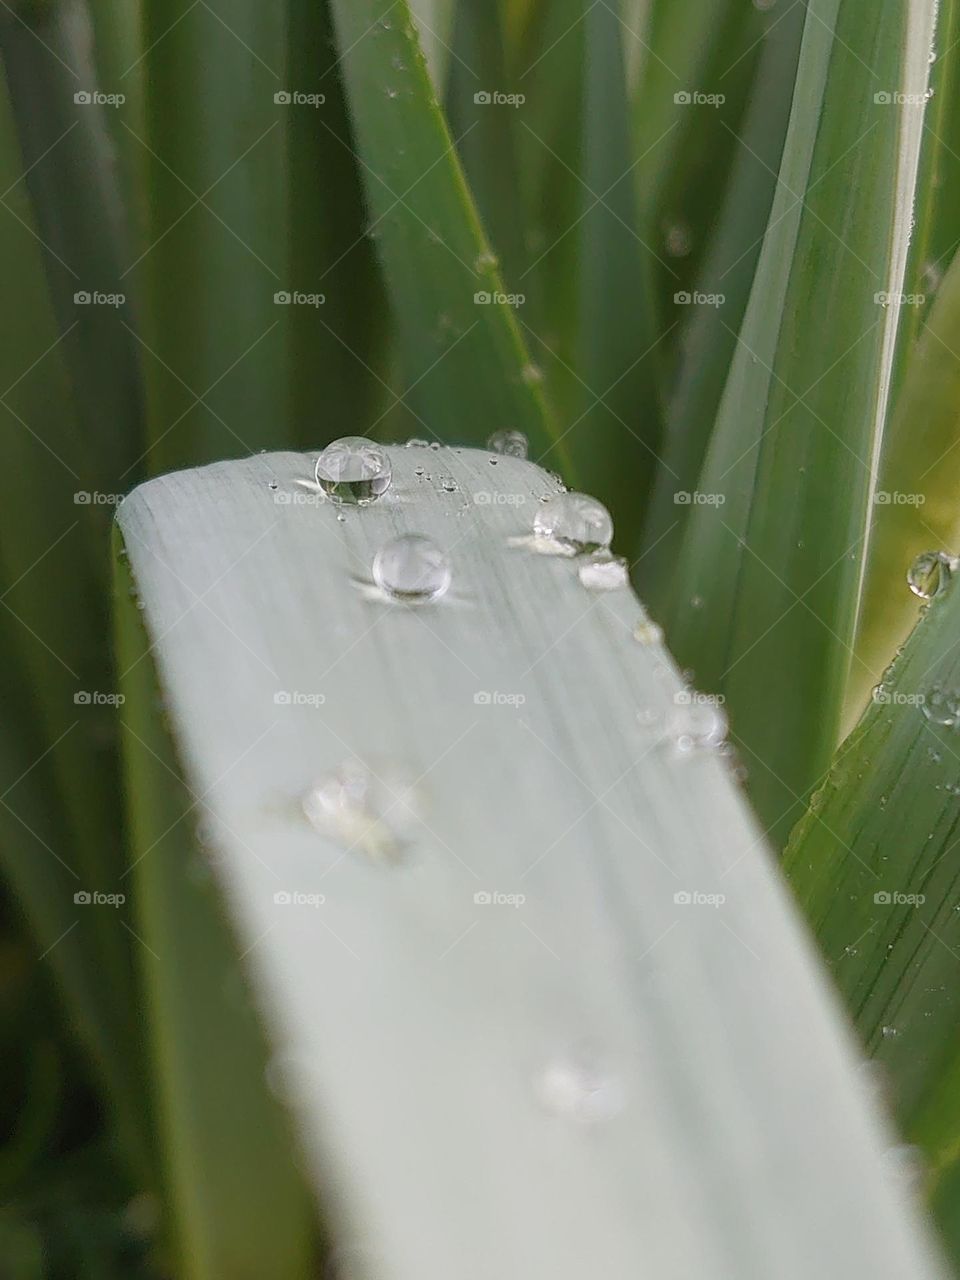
(714, 314)
(766, 591)
(521, 965)
(916, 507)
(466, 370)
(873, 865)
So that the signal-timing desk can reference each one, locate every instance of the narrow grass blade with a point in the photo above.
(214, 339)
(336, 377)
(916, 508)
(764, 611)
(69, 168)
(616, 432)
(464, 359)
(236, 1202)
(59, 764)
(435, 20)
(538, 934)
(873, 863)
(712, 312)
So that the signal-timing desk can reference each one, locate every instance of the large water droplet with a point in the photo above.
(604, 573)
(942, 706)
(696, 723)
(574, 523)
(930, 574)
(412, 568)
(513, 444)
(375, 814)
(578, 1086)
(353, 470)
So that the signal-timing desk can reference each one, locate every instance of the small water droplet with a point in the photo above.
(435, 445)
(605, 573)
(678, 240)
(353, 470)
(416, 443)
(573, 523)
(578, 1086)
(647, 632)
(888, 1033)
(698, 723)
(531, 374)
(449, 485)
(512, 444)
(375, 814)
(696, 602)
(486, 261)
(273, 486)
(412, 568)
(391, 92)
(930, 574)
(942, 706)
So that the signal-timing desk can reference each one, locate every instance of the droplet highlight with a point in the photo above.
(373, 814)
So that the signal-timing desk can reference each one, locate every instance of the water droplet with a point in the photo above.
(574, 522)
(647, 632)
(942, 706)
(531, 374)
(392, 93)
(374, 814)
(697, 724)
(449, 485)
(696, 602)
(486, 261)
(578, 1086)
(353, 470)
(930, 574)
(605, 573)
(435, 445)
(888, 1033)
(415, 443)
(412, 568)
(273, 486)
(513, 444)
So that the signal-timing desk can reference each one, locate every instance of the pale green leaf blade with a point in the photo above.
(541, 905)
